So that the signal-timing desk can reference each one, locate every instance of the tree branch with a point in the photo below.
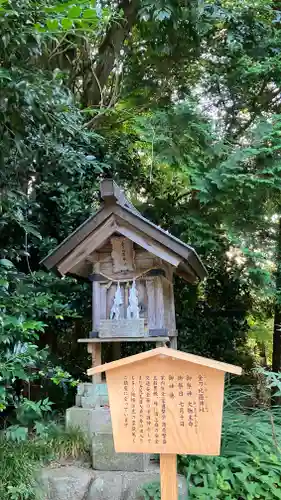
(108, 52)
(256, 108)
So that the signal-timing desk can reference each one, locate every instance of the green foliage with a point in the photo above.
(23, 306)
(189, 124)
(29, 412)
(220, 307)
(85, 16)
(254, 477)
(21, 461)
(250, 461)
(272, 380)
(19, 464)
(41, 125)
(151, 491)
(17, 433)
(260, 339)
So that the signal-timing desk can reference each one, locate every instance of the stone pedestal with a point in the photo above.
(91, 395)
(104, 456)
(89, 420)
(93, 418)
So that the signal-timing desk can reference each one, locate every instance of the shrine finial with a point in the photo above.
(111, 193)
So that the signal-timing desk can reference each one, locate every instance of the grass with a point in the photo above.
(67, 443)
(21, 461)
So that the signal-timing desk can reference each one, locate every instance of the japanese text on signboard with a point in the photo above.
(147, 399)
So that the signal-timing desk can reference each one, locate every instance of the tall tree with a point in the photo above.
(276, 355)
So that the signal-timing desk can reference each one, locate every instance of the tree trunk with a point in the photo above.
(276, 353)
(109, 51)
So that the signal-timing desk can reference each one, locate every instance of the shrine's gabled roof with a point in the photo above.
(119, 216)
(173, 354)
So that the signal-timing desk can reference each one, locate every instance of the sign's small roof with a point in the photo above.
(170, 353)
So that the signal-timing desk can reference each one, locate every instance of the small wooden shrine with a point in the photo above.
(131, 263)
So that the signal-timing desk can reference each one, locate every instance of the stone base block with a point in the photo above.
(76, 483)
(78, 401)
(96, 426)
(89, 421)
(91, 395)
(90, 402)
(86, 389)
(105, 458)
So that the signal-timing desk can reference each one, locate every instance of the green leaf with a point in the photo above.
(12, 320)
(41, 429)
(30, 229)
(4, 74)
(52, 24)
(39, 27)
(98, 168)
(17, 433)
(276, 492)
(4, 283)
(33, 325)
(74, 12)
(6, 263)
(66, 23)
(90, 14)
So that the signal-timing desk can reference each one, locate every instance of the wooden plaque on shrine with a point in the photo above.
(166, 401)
(122, 328)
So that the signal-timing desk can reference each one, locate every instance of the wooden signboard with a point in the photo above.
(123, 254)
(168, 402)
(167, 407)
(122, 328)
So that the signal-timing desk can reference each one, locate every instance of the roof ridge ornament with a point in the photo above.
(112, 193)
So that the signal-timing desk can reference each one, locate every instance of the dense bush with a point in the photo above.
(25, 308)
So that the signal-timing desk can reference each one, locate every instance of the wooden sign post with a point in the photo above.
(168, 476)
(168, 402)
